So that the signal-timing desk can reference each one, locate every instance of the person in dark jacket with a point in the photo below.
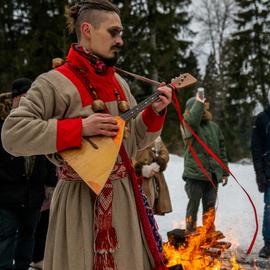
(21, 193)
(260, 147)
(198, 187)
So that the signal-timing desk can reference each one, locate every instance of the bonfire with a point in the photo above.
(201, 250)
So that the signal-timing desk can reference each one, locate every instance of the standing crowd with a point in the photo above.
(43, 199)
(24, 185)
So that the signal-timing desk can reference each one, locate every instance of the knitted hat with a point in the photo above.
(20, 86)
(190, 103)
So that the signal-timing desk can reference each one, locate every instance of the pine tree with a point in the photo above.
(238, 112)
(253, 20)
(13, 25)
(47, 33)
(247, 73)
(32, 33)
(215, 20)
(213, 91)
(156, 46)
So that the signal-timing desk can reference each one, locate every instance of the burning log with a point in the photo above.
(215, 235)
(217, 245)
(199, 250)
(176, 237)
(198, 247)
(222, 245)
(210, 237)
(213, 252)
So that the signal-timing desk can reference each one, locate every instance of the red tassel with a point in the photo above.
(106, 240)
(104, 261)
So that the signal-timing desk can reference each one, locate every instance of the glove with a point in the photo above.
(147, 171)
(261, 181)
(155, 166)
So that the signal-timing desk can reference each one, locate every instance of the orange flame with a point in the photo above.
(199, 250)
(235, 266)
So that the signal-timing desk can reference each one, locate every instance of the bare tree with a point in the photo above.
(214, 19)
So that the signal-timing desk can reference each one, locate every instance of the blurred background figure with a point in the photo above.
(198, 187)
(42, 227)
(260, 147)
(21, 193)
(150, 164)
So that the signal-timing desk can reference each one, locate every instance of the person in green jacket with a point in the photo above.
(198, 187)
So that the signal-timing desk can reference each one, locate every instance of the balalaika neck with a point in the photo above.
(140, 107)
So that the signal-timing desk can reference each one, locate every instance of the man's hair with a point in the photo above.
(87, 11)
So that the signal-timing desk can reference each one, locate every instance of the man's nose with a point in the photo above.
(119, 41)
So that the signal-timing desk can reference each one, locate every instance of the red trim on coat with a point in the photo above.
(84, 94)
(153, 121)
(122, 92)
(69, 133)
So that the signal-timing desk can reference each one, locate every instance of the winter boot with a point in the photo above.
(265, 251)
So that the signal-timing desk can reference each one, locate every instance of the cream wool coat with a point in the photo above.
(31, 129)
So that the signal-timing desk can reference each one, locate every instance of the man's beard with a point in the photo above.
(110, 61)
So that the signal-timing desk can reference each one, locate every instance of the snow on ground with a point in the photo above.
(235, 217)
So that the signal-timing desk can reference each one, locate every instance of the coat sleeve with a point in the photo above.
(163, 157)
(138, 167)
(147, 125)
(36, 128)
(193, 119)
(142, 158)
